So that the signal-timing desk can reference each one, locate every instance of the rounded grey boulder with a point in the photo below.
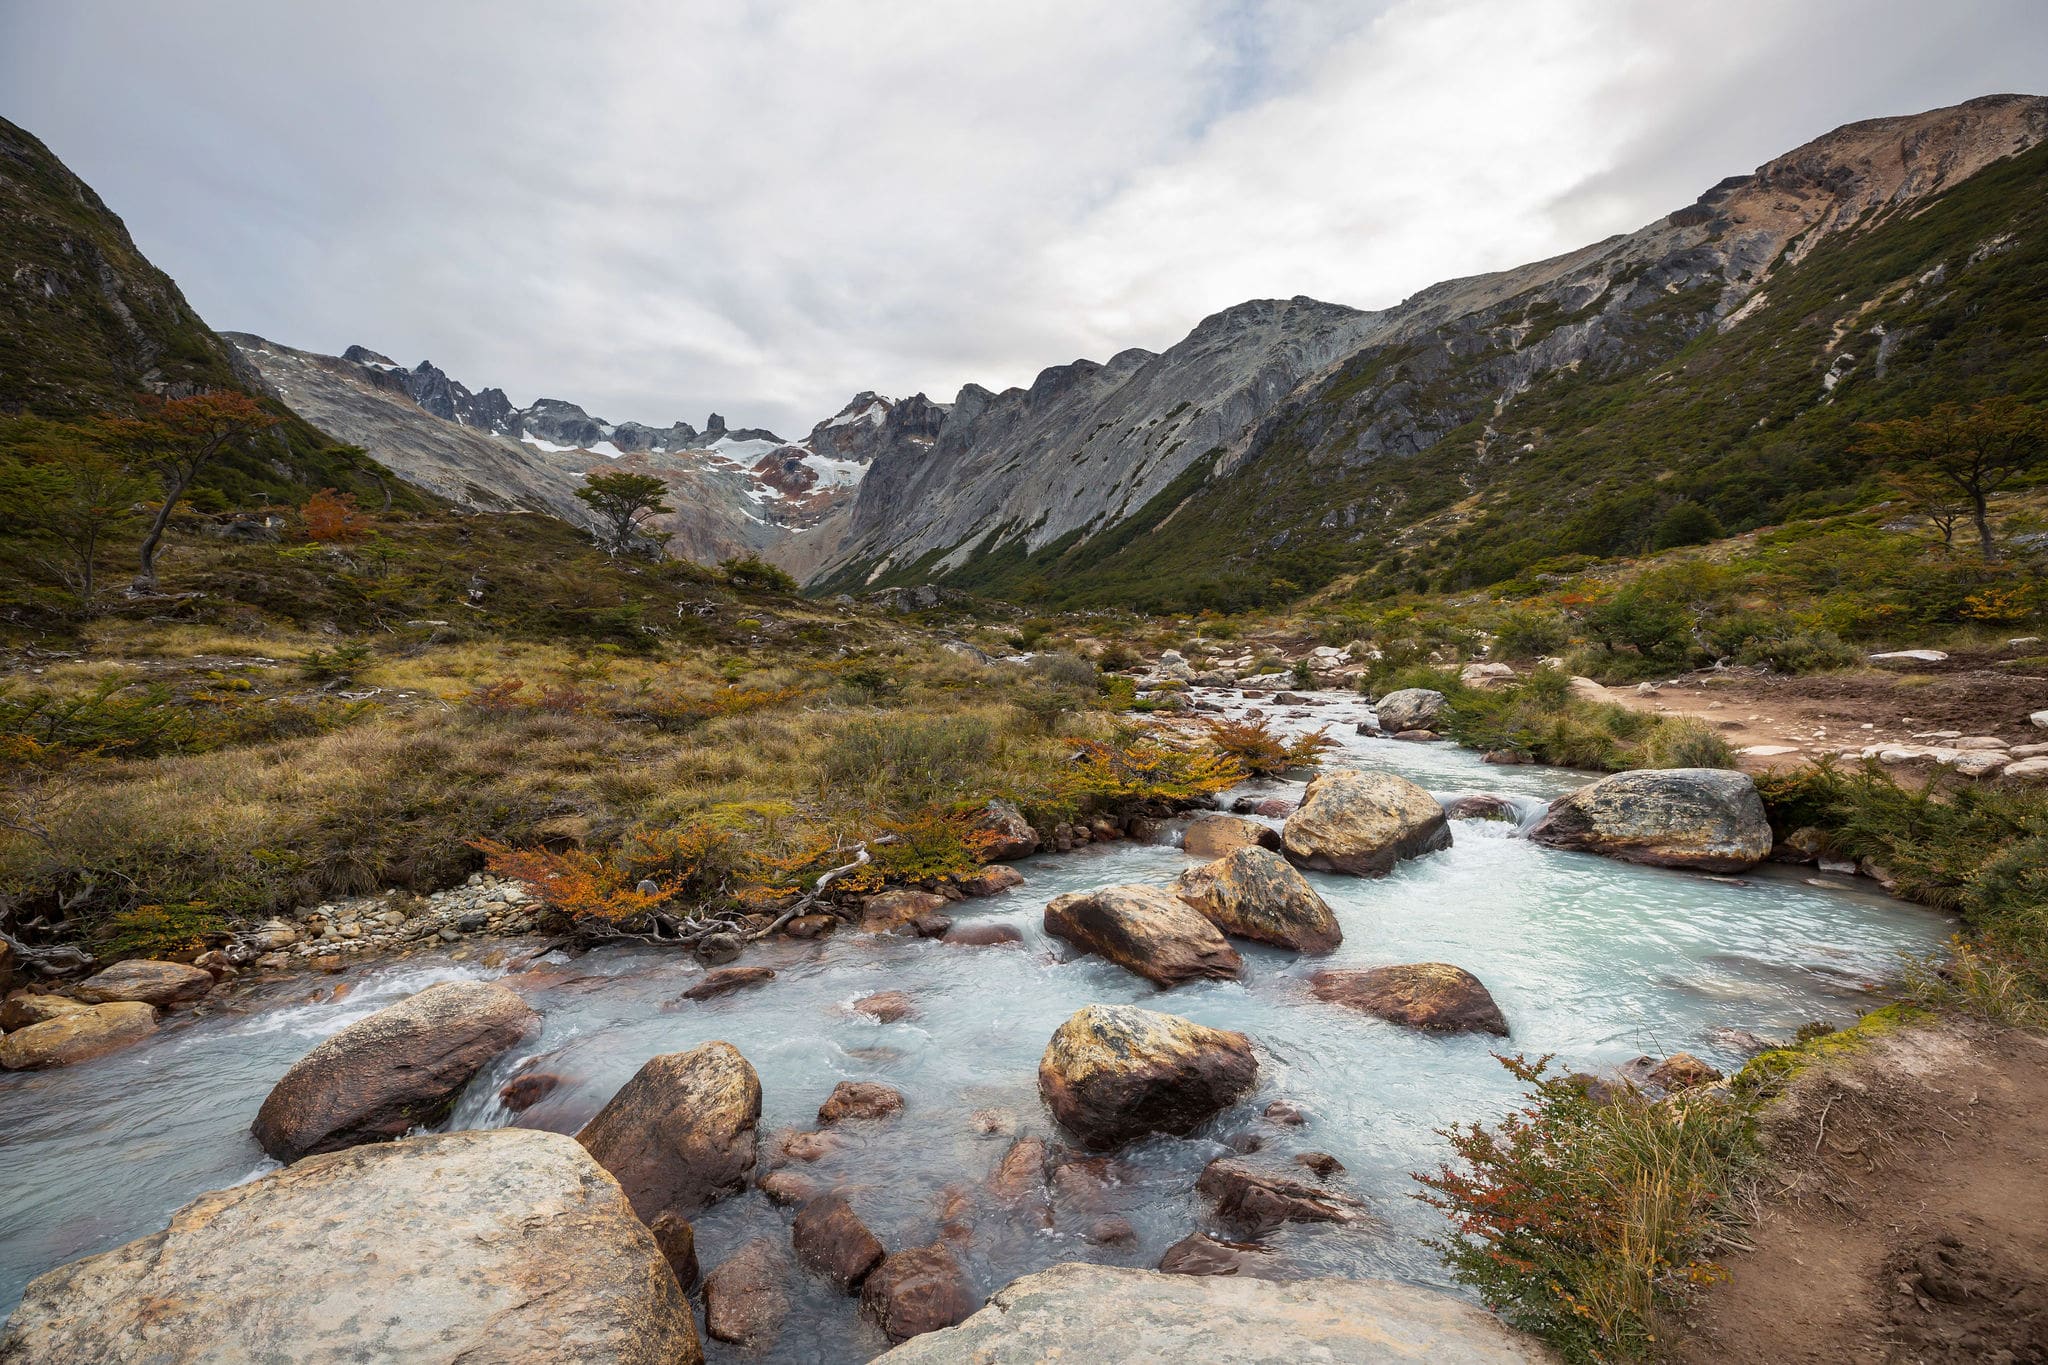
(1411, 708)
(1362, 823)
(1706, 819)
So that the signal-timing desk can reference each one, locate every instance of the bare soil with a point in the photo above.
(1828, 712)
(1905, 1218)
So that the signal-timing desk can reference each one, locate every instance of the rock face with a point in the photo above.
(153, 983)
(1107, 1315)
(77, 1036)
(1253, 893)
(918, 1290)
(745, 1299)
(682, 1134)
(1363, 823)
(1212, 835)
(831, 1241)
(1708, 819)
(458, 1247)
(1425, 995)
(1411, 708)
(399, 1068)
(1144, 930)
(1115, 1072)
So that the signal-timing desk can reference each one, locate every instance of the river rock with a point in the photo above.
(1200, 1254)
(523, 1092)
(860, 1100)
(831, 1241)
(1485, 806)
(1019, 1178)
(1707, 819)
(509, 1245)
(1411, 708)
(682, 1134)
(1144, 930)
(383, 1075)
(746, 1298)
(1253, 893)
(893, 910)
(810, 926)
(1109, 1315)
(1363, 823)
(1255, 1201)
(1116, 1072)
(1434, 996)
(162, 984)
(677, 1241)
(918, 1290)
(77, 1036)
(1679, 1071)
(726, 980)
(992, 880)
(1213, 835)
(981, 935)
(1006, 833)
(885, 1007)
(23, 1008)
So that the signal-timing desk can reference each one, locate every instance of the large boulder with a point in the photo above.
(683, 1133)
(890, 911)
(22, 1008)
(918, 1290)
(1108, 1315)
(1145, 930)
(1434, 996)
(1006, 834)
(77, 1036)
(153, 983)
(1253, 893)
(509, 1245)
(384, 1075)
(1363, 823)
(1115, 1072)
(1213, 835)
(1411, 708)
(1708, 819)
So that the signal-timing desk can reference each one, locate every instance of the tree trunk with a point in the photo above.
(145, 580)
(1982, 517)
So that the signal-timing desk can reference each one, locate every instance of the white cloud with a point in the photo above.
(659, 209)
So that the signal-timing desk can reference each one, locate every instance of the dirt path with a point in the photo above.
(1805, 717)
(1912, 1222)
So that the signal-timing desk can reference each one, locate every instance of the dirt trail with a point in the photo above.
(1906, 1217)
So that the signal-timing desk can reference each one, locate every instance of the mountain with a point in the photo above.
(1720, 355)
(734, 491)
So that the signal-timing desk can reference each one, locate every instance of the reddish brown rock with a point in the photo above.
(892, 910)
(1115, 1072)
(830, 1240)
(77, 1036)
(23, 1008)
(1256, 1201)
(746, 1297)
(726, 980)
(991, 880)
(682, 1134)
(162, 984)
(982, 935)
(810, 926)
(1006, 834)
(1200, 1254)
(1144, 930)
(860, 1100)
(789, 1188)
(397, 1069)
(1424, 995)
(1253, 893)
(678, 1243)
(1287, 1112)
(1112, 1231)
(1019, 1178)
(523, 1092)
(885, 1006)
(807, 1147)
(1322, 1163)
(918, 1290)
(1679, 1071)
(1484, 807)
(1213, 835)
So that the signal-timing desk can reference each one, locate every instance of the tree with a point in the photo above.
(1687, 523)
(1974, 451)
(176, 439)
(1933, 498)
(332, 516)
(623, 503)
(92, 498)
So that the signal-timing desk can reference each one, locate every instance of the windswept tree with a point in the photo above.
(1974, 451)
(178, 438)
(624, 503)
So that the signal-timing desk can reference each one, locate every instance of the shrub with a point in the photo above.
(161, 931)
(1530, 634)
(1256, 749)
(752, 571)
(919, 760)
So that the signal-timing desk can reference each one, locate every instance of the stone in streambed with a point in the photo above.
(683, 1133)
(992, 880)
(1200, 1254)
(1143, 930)
(23, 1008)
(79, 1035)
(1706, 819)
(1213, 835)
(162, 984)
(894, 911)
(726, 980)
(1255, 1201)
(746, 1298)
(981, 935)
(1253, 893)
(918, 1290)
(860, 1100)
(1363, 823)
(508, 1245)
(521, 1093)
(396, 1070)
(885, 1007)
(1411, 708)
(1115, 1072)
(678, 1243)
(1433, 996)
(831, 1241)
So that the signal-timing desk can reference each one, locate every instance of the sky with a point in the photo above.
(660, 208)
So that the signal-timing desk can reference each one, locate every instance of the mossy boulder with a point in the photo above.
(1116, 1072)
(1705, 819)
(1363, 823)
(1254, 893)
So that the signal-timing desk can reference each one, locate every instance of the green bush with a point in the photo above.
(913, 762)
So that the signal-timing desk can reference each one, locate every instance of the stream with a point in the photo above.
(1594, 960)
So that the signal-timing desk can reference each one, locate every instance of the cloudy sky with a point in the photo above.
(658, 207)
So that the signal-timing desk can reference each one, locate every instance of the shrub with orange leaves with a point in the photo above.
(331, 516)
(1254, 746)
(579, 884)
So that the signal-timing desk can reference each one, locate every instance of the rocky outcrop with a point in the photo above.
(1107, 1315)
(1707, 819)
(72, 1036)
(831, 1241)
(1115, 1072)
(746, 1298)
(460, 1247)
(918, 1290)
(398, 1069)
(683, 1133)
(1252, 893)
(1212, 836)
(1434, 996)
(1411, 708)
(1144, 930)
(1363, 823)
(162, 984)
